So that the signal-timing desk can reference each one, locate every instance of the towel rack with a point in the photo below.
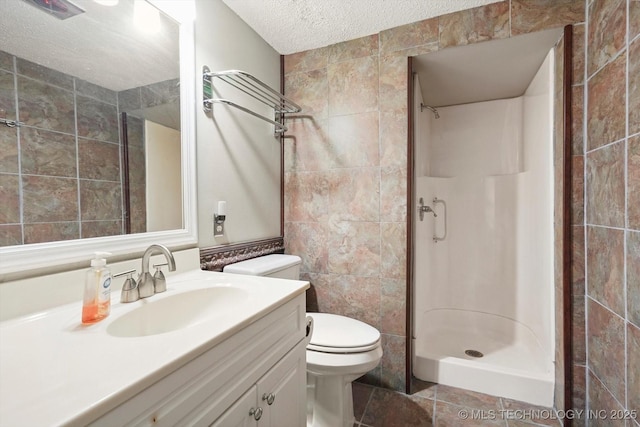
(253, 87)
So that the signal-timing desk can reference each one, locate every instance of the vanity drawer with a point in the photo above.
(213, 381)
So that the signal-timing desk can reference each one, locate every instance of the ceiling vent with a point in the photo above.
(61, 9)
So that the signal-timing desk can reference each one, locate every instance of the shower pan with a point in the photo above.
(483, 293)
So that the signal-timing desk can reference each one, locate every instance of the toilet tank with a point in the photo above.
(275, 265)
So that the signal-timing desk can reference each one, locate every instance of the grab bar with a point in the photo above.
(279, 126)
(437, 239)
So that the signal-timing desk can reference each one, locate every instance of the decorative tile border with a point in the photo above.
(215, 258)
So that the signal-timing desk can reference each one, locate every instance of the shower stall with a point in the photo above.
(483, 294)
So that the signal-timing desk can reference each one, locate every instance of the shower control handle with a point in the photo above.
(422, 209)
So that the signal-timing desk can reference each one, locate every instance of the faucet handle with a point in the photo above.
(159, 281)
(129, 291)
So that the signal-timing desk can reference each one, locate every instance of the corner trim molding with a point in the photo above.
(216, 257)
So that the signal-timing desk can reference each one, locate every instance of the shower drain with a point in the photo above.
(473, 353)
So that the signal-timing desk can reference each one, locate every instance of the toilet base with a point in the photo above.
(329, 401)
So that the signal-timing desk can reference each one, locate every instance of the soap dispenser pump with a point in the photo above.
(96, 303)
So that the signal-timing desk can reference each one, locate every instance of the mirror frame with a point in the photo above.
(40, 258)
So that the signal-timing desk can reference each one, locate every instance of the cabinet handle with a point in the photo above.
(257, 413)
(269, 398)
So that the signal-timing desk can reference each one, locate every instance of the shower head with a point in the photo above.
(435, 112)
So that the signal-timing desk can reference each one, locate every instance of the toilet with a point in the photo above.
(340, 349)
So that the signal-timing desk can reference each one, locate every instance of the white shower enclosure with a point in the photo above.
(483, 304)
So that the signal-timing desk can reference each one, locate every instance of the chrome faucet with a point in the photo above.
(146, 282)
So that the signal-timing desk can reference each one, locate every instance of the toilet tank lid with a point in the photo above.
(263, 265)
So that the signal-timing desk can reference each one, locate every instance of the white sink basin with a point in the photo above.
(178, 311)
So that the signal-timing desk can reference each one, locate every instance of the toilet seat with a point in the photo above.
(333, 333)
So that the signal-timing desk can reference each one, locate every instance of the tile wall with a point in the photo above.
(60, 173)
(346, 161)
(610, 359)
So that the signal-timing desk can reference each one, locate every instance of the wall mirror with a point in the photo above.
(96, 130)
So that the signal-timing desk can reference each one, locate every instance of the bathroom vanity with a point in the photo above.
(214, 349)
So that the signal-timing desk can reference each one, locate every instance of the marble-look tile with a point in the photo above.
(607, 32)
(10, 196)
(393, 247)
(8, 149)
(448, 415)
(361, 395)
(579, 392)
(393, 194)
(138, 213)
(577, 259)
(347, 295)
(101, 228)
(51, 232)
(605, 194)
(306, 61)
(606, 106)
(577, 120)
(49, 199)
(605, 346)
(10, 234)
(354, 141)
(7, 96)
(100, 93)
(633, 277)
(130, 99)
(135, 132)
(393, 82)
(475, 25)
(354, 194)
(393, 307)
(355, 248)
(47, 153)
(578, 333)
(393, 138)
(470, 399)
(392, 409)
(98, 160)
(605, 267)
(577, 192)
(353, 86)
(97, 120)
(308, 241)
(310, 90)
(306, 196)
(352, 49)
(410, 35)
(633, 182)
(44, 74)
(634, 19)
(424, 389)
(393, 364)
(634, 87)
(527, 412)
(633, 366)
(6, 61)
(601, 400)
(160, 93)
(534, 15)
(307, 146)
(46, 106)
(100, 200)
(579, 40)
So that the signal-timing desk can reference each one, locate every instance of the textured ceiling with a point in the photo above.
(291, 26)
(101, 45)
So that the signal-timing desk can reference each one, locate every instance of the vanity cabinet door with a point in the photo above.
(239, 414)
(285, 387)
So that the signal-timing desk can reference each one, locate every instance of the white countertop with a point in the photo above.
(56, 371)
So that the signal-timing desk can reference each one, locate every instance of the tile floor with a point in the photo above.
(439, 405)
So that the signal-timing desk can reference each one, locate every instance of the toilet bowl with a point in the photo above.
(339, 349)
